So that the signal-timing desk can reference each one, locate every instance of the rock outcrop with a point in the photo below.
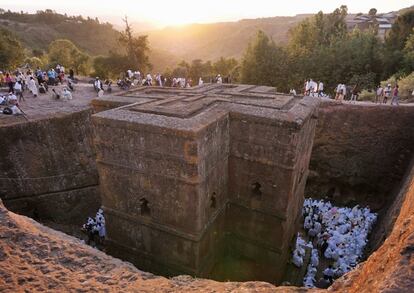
(34, 258)
(391, 267)
(361, 153)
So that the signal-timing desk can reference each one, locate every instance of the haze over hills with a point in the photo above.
(168, 46)
(225, 39)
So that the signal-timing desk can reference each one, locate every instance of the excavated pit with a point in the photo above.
(49, 173)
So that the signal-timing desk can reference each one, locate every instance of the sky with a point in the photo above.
(178, 12)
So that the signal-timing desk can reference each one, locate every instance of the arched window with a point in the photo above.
(213, 201)
(145, 209)
(256, 189)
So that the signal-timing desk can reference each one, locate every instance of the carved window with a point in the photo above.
(256, 189)
(213, 201)
(144, 207)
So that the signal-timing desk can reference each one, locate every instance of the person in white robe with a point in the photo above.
(31, 85)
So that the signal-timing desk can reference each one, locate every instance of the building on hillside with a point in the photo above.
(383, 22)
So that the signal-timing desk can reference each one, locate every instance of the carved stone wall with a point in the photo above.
(48, 169)
(189, 176)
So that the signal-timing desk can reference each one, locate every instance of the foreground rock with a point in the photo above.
(34, 258)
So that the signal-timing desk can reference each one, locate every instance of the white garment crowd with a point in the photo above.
(95, 228)
(339, 234)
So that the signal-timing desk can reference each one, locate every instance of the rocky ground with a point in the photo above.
(44, 105)
(34, 258)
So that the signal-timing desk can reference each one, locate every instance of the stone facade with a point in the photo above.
(48, 168)
(190, 177)
(360, 153)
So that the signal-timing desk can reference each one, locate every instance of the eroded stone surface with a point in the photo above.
(48, 168)
(361, 152)
(390, 268)
(185, 172)
(34, 258)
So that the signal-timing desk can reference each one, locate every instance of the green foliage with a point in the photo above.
(37, 30)
(320, 30)
(133, 55)
(34, 62)
(367, 95)
(64, 52)
(395, 44)
(406, 85)
(321, 49)
(225, 67)
(11, 51)
(409, 54)
(391, 80)
(264, 63)
(137, 48)
(111, 66)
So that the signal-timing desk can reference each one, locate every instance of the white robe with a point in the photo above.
(31, 85)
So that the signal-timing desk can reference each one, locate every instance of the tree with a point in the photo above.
(225, 66)
(11, 51)
(409, 54)
(264, 63)
(372, 12)
(64, 52)
(110, 66)
(320, 30)
(395, 43)
(137, 48)
(196, 69)
(34, 62)
(182, 70)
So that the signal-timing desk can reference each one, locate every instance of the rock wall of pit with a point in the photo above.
(360, 153)
(48, 168)
(390, 268)
(35, 258)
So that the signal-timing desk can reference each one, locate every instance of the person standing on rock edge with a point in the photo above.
(387, 93)
(395, 96)
(18, 88)
(379, 94)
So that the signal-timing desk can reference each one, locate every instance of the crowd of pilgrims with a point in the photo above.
(34, 82)
(95, 230)
(351, 93)
(135, 78)
(338, 234)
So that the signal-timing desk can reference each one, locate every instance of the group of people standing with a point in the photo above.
(383, 94)
(338, 234)
(313, 88)
(18, 82)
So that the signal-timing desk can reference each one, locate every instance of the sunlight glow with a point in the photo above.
(178, 12)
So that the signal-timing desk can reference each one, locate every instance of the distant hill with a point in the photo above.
(36, 31)
(227, 39)
(168, 46)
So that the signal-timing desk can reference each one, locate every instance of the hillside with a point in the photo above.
(227, 39)
(36, 31)
(168, 46)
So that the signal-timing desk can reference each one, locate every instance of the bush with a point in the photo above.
(367, 95)
(406, 86)
(392, 80)
(34, 62)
